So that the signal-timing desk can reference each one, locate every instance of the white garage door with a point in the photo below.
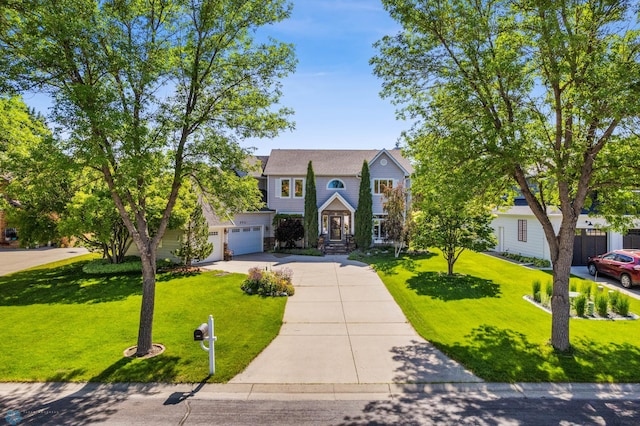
(245, 240)
(215, 238)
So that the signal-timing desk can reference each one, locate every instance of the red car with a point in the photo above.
(623, 265)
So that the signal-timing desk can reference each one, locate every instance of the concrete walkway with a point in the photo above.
(342, 327)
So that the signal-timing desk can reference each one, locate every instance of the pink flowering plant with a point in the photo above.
(269, 283)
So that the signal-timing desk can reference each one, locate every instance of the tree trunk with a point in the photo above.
(145, 331)
(560, 304)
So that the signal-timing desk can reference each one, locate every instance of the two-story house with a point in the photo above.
(282, 181)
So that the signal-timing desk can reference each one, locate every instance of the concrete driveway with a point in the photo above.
(343, 327)
(14, 260)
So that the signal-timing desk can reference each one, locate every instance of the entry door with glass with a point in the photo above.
(335, 229)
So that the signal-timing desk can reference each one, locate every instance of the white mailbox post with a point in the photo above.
(205, 332)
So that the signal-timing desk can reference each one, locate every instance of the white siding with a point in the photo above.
(536, 244)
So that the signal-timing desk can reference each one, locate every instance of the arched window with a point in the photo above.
(335, 184)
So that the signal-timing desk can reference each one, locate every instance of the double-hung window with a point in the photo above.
(379, 185)
(288, 188)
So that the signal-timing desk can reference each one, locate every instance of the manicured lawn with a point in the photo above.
(61, 325)
(480, 319)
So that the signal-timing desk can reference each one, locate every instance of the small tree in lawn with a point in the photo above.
(395, 205)
(364, 214)
(310, 209)
(194, 242)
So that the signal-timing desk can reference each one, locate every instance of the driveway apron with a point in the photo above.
(342, 326)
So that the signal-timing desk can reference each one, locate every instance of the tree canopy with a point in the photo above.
(536, 95)
(151, 93)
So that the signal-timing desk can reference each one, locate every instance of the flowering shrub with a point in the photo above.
(269, 283)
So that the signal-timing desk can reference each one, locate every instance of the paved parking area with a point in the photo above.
(13, 260)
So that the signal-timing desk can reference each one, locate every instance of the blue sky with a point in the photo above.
(333, 92)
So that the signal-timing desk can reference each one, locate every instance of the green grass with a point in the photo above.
(480, 319)
(59, 324)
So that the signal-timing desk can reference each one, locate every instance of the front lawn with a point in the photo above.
(59, 324)
(480, 319)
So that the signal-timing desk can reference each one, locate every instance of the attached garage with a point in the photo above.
(588, 242)
(632, 239)
(245, 240)
(215, 238)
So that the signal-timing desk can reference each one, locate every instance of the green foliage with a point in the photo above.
(537, 262)
(619, 303)
(289, 231)
(549, 289)
(515, 95)
(622, 307)
(364, 213)
(106, 267)
(310, 209)
(194, 241)
(106, 308)
(585, 288)
(601, 303)
(269, 283)
(394, 205)
(496, 334)
(116, 117)
(535, 290)
(580, 304)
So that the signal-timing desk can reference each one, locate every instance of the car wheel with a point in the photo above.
(625, 280)
(592, 269)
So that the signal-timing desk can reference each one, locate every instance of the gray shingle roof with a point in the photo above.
(326, 162)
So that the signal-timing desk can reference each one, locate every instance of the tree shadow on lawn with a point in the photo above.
(457, 287)
(388, 265)
(504, 355)
(65, 284)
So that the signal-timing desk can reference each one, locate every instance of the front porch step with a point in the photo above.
(336, 249)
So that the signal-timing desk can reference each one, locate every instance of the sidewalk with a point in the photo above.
(342, 327)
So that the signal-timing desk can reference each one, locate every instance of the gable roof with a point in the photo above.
(328, 162)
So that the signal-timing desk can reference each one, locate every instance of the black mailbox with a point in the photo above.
(201, 332)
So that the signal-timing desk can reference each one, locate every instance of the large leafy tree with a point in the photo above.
(310, 209)
(151, 88)
(543, 94)
(364, 213)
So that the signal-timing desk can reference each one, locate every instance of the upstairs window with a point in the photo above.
(335, 184)
(298, 188)
(379, 185)
(285, 188)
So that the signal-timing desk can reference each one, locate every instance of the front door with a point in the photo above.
(335, 228)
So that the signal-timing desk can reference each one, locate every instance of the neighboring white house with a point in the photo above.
(282, 182)
(518, 231)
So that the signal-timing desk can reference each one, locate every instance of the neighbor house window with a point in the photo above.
(379, 185)
(522, 230)
(335, 184)
(285, 188)
(298, 188)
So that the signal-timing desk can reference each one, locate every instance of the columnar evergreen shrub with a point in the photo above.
(601, 304)
(549, 289)
(585, 288)
(535, 288)
(580, 303)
